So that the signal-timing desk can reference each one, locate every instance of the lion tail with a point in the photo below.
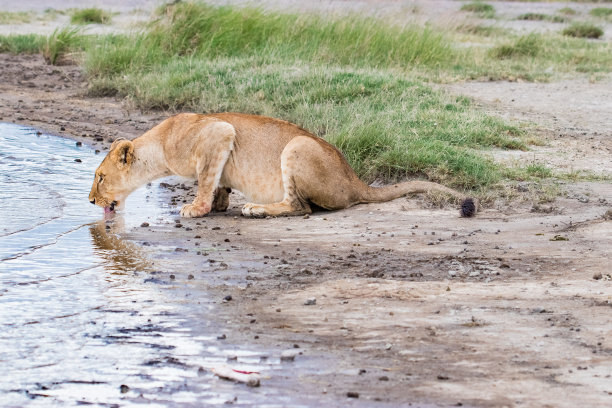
(469, 206)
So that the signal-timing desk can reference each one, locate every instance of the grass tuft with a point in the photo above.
(601, 12)
(90, 16)
(21, 43)
(525, 46)
(60, 43)
(541, 17)
(15, 17)
(483, 9)
(568, 11)
(583, 30)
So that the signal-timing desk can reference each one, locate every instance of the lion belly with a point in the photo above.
(257, 186)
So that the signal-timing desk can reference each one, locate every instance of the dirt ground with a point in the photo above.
(417, 305)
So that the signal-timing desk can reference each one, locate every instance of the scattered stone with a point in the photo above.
(221, 337)
(190, 277)
(250, 378)
(559, 238)
(352, 394)
(383, 378)
(443, 377)
(77, 143)
(227, 298)
(597, 276)
(310, 302)
(172, 277)
(78, 160)
(215, 228)
(289, 355)
(124, 388)
(144, 224)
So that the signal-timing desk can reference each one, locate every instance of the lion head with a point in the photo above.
(112, 182)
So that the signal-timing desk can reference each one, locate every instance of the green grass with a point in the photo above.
(344, 80)
(358, 83)
(21, 43)
(535, 57)
(583, 30)
(541, 17)
(484, 10)
(91, 15)
(60, 43)
(568, 11)
(15, 17)
(526, 46)
(601, 12)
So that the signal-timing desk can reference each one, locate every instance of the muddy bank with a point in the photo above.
(412, 304)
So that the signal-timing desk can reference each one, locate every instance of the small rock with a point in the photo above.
(352, 394)
(124, 388)
(190, 277)
(222, 337)
(172, 277)
(144, 224)
(443, 377)
(78, 160)
(77, 143)
(383, 378)
(289, 355)
(597, 276)
(310, 302)
(227, 298)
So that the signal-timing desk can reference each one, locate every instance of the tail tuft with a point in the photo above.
(468, 207)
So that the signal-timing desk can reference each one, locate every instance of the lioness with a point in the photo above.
(281, 168)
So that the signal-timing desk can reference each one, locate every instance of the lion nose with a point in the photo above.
(93, 201)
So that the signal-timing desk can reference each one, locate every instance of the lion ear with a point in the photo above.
(123, 154)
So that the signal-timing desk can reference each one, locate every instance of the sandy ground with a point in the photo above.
(417, 305)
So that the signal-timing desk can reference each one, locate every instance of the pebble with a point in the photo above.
(77, 143)
(310, 302)
(124, 388)
(222, 337)
(78, 160)
(227, 298)
(597, 276)
(289, 355)
(144, 224)
(352, 394)
(190, 276)
(383, 378)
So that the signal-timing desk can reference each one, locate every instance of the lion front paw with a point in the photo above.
(192, 210)
(253, 210)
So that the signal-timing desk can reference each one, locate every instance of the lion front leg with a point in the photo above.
(212, 153)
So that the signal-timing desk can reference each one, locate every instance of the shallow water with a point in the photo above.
(83, 311)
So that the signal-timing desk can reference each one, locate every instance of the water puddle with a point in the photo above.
(84, 311)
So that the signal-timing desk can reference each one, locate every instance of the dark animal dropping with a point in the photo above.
(468, 207)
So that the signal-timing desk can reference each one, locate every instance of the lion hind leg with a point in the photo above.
(293, 202)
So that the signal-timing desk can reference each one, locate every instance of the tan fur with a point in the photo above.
(281, 168)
